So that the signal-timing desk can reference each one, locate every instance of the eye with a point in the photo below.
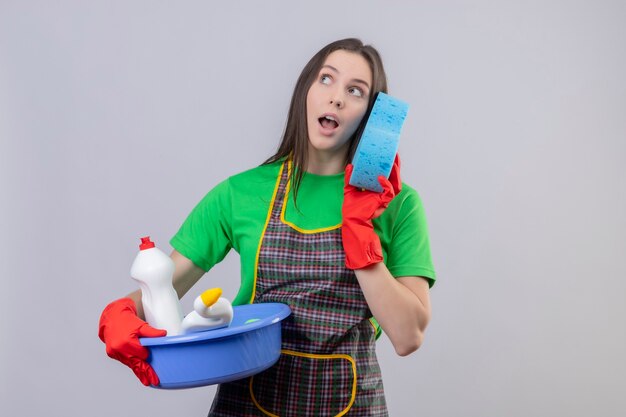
(325, 79)
(356, 91)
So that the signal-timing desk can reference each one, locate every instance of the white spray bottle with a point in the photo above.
(154, 270)
(211, 311)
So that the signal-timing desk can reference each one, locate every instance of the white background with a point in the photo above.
(116, 117)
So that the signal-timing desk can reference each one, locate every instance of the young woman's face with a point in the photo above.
(337, 101)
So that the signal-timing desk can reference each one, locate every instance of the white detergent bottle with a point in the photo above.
(154, 271)
(210, 311)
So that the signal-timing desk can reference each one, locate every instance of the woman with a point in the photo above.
(335, 254)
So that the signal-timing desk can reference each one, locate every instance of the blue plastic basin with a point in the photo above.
(248, 346)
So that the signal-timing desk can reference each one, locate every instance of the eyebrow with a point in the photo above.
(356, 80)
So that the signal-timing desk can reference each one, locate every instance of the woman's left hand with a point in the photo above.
(360, 241)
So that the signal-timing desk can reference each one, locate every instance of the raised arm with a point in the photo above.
(401, 305)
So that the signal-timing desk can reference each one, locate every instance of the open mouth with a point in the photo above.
(328, 122)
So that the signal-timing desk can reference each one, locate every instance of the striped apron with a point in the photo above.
(328, 364)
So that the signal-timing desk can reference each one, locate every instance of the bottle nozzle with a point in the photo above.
(210, 297)
(146, 243)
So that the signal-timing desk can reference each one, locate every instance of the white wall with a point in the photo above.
(116, 117)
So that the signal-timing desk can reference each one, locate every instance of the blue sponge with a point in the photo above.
(379, 142)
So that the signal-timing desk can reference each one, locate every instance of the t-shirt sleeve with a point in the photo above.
(205, 237)
(409, 247)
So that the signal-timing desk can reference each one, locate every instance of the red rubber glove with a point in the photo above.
(120, 329)
(360, 241)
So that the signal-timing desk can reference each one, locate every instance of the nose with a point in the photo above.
(337, 102)
(336, 99)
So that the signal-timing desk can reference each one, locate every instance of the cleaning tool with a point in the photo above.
(210, 311)
(154, 270)
(378, 145)
(249, 345)
(360, 242)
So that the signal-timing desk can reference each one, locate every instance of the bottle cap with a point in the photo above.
(210, 297)
(146, 243)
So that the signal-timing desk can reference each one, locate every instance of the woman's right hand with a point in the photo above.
(120, 329)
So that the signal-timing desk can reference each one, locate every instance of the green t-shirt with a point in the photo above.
(234, 213)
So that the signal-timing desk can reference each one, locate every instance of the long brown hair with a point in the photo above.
(294, 143)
